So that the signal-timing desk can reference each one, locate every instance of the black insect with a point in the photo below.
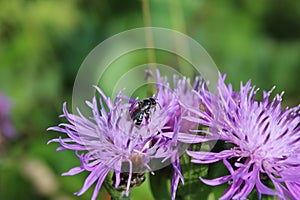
(136, 180)
(143, 109)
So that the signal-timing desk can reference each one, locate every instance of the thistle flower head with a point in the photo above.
(264, 141)
(111, 141)
(181, 96)
(122, 137)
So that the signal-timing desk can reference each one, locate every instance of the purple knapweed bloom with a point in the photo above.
(265, 141)
(109, 139)
(177, 128)
(112, 141)
(6, 128)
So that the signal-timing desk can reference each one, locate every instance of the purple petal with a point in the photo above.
(174, 185)
(190, 138)
(209, 157)
(99, 183)
(294, 188)
(99, 172)
(216, 181)
(73, 171)
(261, 188)
(245, 191)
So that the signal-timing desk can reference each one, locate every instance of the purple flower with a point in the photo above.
(6, 128)
(265, 141)
(182, 95)
(181, 98)
(177, 128)
(111, 140)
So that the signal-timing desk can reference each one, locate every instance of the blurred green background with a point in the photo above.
(43, 43)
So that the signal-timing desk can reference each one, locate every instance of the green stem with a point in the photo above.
(115, 195)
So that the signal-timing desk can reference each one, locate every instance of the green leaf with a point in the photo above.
(193, 188)
(159, 183)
